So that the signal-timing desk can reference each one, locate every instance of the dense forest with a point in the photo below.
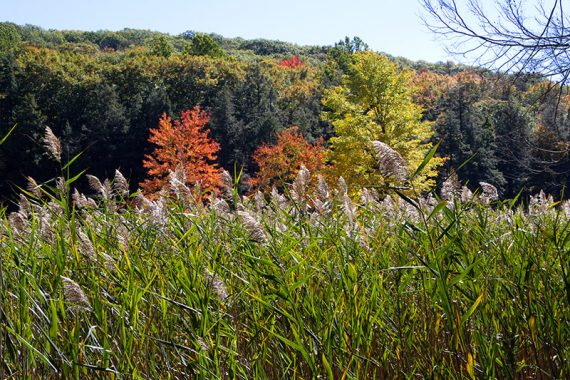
(102, 92)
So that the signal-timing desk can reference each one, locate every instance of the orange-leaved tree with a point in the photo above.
(186, 143)
(278, 164)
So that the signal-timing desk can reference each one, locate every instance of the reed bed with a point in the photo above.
(299, 284)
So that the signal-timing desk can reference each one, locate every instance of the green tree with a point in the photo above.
(375, 102)
(160, 46)
(202, 44)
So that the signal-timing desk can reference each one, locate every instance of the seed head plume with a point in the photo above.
(33, 187)
(120, 184)
(451, 188)
(178, 184)
(279, 199)
(322, 188)
(489, 192)
(342, 188)
(216, 284)
(86, 246)
(141, 203)
(52, 145)
(96, 185)
(259, 201)
(349, 209)
(74, 295)
(300, 184)
(81, 201)
(391, 163)
(227, 186)
(255, 229)
(24, 206)
(18, 221)
(466, 194)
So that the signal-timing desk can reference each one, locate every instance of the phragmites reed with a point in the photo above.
(489, 192)
(120, 184)
(466, 194)
(81, 201)
(103, 189)
(341, 186)
(178, 184)
(259, 201)
(86, 246)
(24, 206)
(349, 209)
(18, 221)
(216, 284)
(390, 162)
(451, 188)
(33, 187)
(52, 145)
(253, 227)
(227, 186)
(279, 199)
(74, 295)
(141, 203)
(299, 186)
(322, 188)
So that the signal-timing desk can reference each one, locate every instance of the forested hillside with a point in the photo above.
(102, 92)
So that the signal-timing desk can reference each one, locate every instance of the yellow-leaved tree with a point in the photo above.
(374, 103)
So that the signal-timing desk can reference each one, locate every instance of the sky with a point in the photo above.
(390, 26)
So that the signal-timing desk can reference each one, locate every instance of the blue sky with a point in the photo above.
(391, 26)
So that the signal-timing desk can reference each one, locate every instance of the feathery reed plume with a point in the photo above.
(221, 207)
(349, 209)
(565, 207)
(300, 184)
(489, 192)
(451, 188)
(74, 295)
(216, 284)
(178, 185)
(279, 199)
(86, 246)
(120, 184)
(33, 187)
(18, 221)
(366, 198)
(341, 186)
(227, 186)
(45, 229)
(96, 185)
(540, 203)
(259, 201)
(322, 188)
(390, 162)
(466, 194)
(253, 227)
(81, 201)
(60, 184)
(52, 145)
(24, 206)
(141, 203)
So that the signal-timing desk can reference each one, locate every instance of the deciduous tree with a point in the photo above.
(375, 102)
(183, 142)
(278, 164)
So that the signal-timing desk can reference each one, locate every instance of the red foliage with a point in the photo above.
(279, 164)
(185, 143)
(293, 62)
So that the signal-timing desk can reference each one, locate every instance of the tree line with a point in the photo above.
(103, 98)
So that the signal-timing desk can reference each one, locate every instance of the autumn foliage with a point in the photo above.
(278, 164)
(183, 142)
(293, 62)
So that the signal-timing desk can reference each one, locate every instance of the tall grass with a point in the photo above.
(287, 287)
